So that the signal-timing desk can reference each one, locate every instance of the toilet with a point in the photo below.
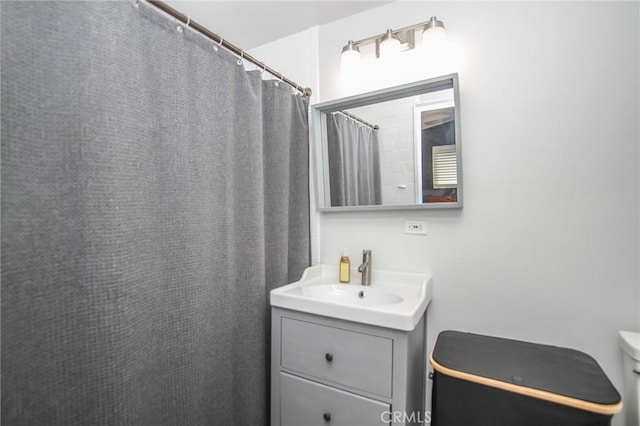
(630, 343)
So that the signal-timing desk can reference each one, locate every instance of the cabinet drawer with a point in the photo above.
(303, 402)
(359, 361)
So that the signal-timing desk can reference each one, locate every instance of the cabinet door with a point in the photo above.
(357, 360)
(306, 403)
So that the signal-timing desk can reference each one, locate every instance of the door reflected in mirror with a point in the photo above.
(437, 169)
(395, 148)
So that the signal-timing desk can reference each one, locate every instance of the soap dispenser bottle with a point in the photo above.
(345, 267)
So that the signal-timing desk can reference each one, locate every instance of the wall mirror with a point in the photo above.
(396, 148)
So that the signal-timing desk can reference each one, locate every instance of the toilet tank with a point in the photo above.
(630, 343)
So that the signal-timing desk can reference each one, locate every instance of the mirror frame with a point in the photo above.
(319, 137)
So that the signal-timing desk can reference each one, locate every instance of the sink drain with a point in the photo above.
(361, 294)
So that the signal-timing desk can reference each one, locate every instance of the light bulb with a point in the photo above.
(350, 58)
(390, 45)
(434, 37)
(349, 66)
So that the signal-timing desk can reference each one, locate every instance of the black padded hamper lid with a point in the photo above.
(553, 370)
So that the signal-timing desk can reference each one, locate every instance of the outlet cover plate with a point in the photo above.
(416, 227)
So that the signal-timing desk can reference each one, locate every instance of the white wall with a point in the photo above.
(546, 248)
(296, 56)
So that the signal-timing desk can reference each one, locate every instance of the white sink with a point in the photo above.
(351, 294)
(393, 300)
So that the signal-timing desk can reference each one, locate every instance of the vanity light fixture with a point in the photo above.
(394, 41)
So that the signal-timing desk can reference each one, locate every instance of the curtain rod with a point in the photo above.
(229, 46)
(359, 120)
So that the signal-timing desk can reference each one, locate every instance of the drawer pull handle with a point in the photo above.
(326, 417)
(329, 357)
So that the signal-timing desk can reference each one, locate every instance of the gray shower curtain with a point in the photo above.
(354, 162)
(153, 192)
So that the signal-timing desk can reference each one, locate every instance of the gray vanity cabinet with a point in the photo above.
(329, 372)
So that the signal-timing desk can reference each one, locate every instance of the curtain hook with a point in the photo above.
(239, 61)
(188, 22)
(277, 83)
(264, 67)
(136, 3)
(215, 46)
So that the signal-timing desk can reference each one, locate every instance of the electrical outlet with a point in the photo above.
(417, 227)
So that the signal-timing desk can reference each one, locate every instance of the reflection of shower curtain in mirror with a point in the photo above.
(354, 162)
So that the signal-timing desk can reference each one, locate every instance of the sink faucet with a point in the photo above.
(365, 268)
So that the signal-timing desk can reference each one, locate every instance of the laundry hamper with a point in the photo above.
(489, 381)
